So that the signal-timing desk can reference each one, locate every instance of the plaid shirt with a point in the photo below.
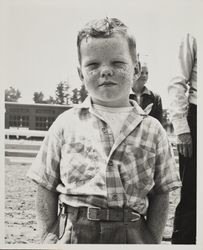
(80, 159)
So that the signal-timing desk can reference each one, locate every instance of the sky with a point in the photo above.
(39, 38)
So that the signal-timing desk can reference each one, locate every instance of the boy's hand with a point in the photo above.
(184, 144)
(51, 238)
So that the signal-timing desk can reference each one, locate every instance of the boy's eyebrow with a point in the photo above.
(95, 60)
(90, 61)
(118, 58)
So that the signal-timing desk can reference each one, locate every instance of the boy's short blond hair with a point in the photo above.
(104, 28)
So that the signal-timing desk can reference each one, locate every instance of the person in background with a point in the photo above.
(149, 101)
(108, 164)
(183, 111)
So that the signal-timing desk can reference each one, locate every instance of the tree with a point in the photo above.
(62, 95)
(12, 95)
(75, 96)
(38, 97)
(51, 100)
(83, 93)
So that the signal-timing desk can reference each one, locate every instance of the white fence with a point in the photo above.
(23, 132)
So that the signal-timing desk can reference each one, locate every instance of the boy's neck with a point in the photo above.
(112, 104)
(138, 91)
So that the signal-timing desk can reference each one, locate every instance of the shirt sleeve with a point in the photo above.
(179, 83)
(166, 170)
(45, 169)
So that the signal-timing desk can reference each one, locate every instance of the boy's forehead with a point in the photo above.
(115, 38)
(144, 68)
(115, 46)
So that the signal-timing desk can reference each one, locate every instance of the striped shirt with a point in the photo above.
(81, 160)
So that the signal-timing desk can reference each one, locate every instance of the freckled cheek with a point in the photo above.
(91, 75)
(122, 74)
(125, 75)
(91, 79)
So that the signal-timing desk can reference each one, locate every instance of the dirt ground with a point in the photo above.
(20, 219)
(20, 223)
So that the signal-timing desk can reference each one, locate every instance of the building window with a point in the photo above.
(18, 121)
(43, 123)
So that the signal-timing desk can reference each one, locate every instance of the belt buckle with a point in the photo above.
(89, 211)
(138, 216)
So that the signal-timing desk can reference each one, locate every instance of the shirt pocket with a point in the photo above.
(78, 164)
(141, 167)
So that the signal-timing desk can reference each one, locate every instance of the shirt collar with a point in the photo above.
(87, 103)
(145, 91)
(137, 108)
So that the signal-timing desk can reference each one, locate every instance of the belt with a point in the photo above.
(104, 214)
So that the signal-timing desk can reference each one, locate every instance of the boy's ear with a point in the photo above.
(80, 74)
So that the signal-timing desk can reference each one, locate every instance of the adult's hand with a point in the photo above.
(184, 144)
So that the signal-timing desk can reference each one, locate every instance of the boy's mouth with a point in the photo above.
(107, 84)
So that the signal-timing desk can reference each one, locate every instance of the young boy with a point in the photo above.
(107, 163)
(148, 100)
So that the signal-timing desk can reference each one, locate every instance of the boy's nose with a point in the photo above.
(106, 71)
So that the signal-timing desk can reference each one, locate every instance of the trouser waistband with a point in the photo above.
(108, 226)
(103, 214)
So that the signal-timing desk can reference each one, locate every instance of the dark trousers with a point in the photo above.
(184, 231)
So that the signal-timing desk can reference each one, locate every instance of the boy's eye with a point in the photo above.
(92, 65)
(118, 63)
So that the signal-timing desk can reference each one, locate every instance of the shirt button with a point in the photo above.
(110, 163)
(114, 197)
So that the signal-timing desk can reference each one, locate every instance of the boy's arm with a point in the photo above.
(157, 214)
(47, 209)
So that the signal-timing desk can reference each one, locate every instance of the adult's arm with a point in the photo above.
(47, 208)
(157, 215)
(177, 89)
(179, 83)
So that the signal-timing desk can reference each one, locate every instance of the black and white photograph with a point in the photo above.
(99, 124)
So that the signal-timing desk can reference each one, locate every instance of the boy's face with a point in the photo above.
(144, 74)
(139, 84)
(107, 70)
